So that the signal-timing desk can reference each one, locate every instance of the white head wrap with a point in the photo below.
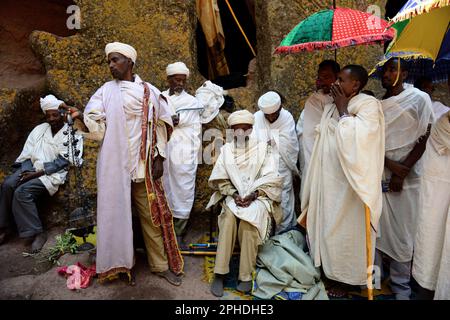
(269, 102)
(50, 102)
(241, 117)
(122, 48)
(177, 68)
(211, 97)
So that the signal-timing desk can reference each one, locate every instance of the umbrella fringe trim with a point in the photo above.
(312, 46)
(420, 10)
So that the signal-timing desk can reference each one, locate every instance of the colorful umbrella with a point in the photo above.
(335, 28)
(426, 35)
(437, 72)
(413, 8)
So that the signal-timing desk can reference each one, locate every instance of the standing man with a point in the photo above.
(183, 147)
(343, 177)
(245, 178)
(276, 126)
(132, 120)
(313, 110)
(39, 170)
(431, 266)
(408, 116)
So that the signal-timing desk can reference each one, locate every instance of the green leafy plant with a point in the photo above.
(65, 243)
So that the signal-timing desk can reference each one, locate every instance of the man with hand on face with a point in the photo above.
(313, 110)
(275, 125)
(180, 167)
(246, 180)
(343, 176)
(408, 116)
(39, 170)
(132, 119)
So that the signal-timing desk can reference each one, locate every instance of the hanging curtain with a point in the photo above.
(209, 17)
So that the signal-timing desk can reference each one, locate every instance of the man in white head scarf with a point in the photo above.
(408, 115)
(39, 170)
(275, 125)
(180, 167)
(246, 182)
(132, 119)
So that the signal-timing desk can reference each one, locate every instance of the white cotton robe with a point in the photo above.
(431, 263)
(249, 168)
(306, 127)
(439, 109)
(407, 117)
(182, 154)
(285, 146)
(344, 174)
(111, 116)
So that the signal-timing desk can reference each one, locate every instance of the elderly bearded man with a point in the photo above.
(180, 167)
(248, 185)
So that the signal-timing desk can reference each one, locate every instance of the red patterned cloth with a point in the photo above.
(159, 207)
(78, 276)
(358, 27)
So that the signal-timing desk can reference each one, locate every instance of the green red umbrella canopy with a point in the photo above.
(336, 28)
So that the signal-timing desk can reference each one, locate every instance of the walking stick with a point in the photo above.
(369, 255)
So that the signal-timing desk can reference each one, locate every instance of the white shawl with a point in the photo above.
(248, 169)
(431, 268)
(343, 175)
(407, 117)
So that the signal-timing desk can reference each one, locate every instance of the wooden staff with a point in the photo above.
(369, 255)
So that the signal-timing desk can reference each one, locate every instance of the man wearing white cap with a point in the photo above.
(182, 150)
(275, 125)
(246, 181)
(39, 170)
(132, 120)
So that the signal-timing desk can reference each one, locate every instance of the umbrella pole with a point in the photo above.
(369, 255)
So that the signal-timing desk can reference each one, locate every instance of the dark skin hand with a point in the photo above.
(344, 90)
(340, 99)
(247, 201)
(401, 170)
(75, 113)
(158, 168)
(176, 120)
(29, 175)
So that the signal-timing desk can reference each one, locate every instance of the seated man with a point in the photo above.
(39, 170)
(248, 186)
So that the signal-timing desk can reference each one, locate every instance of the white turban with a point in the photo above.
(177, 68)
(241, 117)
(269, 102)
(122, 48)
(50, 102)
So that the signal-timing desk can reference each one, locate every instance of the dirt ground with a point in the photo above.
(25, 278)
